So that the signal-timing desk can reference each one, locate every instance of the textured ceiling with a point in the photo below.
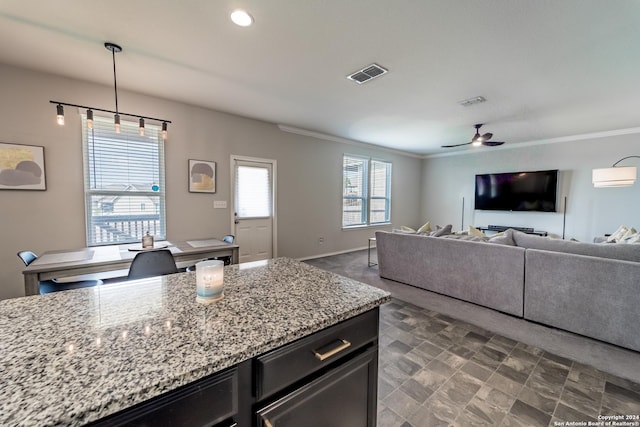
(548, 68)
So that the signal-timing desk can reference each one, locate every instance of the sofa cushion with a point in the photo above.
(611, 251)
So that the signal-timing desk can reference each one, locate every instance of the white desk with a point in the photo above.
(99, 259)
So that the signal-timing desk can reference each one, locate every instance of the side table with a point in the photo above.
(369, 263)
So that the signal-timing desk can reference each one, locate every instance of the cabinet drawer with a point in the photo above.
(203, 403)
(345, 396)
(284, 366)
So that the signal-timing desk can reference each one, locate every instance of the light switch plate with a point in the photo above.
(219, 204)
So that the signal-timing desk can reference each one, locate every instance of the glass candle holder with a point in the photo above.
(209, 281)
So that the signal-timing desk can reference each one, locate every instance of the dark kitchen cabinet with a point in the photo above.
(343, 397)
(328, 378)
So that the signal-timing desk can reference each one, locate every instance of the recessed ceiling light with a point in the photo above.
(241, 18)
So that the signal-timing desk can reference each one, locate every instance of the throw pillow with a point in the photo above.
(443, 231)
(406, 229)
(633, 239)
(616, 235)
(475, 232)
(504, 238)
(426, 228)
(630, 233)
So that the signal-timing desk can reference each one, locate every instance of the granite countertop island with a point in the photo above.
(73, 357)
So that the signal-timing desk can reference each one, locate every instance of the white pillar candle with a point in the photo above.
(209, 281)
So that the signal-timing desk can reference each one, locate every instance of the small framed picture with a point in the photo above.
(202, 176)
(22, 167)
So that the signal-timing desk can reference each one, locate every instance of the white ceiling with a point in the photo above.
(548, 68)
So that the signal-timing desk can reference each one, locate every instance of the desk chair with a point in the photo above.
(152, 263)
(57, 285)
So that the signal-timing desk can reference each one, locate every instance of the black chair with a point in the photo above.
(57, 285)
(229, 238)
(152, 263)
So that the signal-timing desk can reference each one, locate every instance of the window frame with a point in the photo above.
(128, 129)
(367, 197)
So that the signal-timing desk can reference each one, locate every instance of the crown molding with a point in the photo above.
(326, 137)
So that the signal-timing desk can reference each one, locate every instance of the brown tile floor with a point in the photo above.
(438, 371)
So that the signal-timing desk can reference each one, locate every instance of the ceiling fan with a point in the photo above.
(478, 140)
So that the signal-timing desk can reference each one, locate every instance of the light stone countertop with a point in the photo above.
(72, 357)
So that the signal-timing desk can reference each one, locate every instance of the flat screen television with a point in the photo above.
(517, 191)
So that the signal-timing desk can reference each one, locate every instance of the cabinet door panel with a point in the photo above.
(344, 397)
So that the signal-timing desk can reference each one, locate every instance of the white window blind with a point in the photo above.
(123, 181)
(380, 192)
(253, 191)
(366, 191)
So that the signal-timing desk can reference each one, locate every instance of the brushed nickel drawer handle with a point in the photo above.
(323, 356)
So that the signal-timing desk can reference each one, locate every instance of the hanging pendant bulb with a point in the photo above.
(60, 115)
(89, 119)
(113, 48)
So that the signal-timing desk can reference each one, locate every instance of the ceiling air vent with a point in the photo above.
(369, 72)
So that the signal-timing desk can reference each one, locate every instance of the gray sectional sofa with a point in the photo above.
(587, 288)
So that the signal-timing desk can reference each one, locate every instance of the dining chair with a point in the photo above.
(229, 238)
(152, 263)
(57, 285)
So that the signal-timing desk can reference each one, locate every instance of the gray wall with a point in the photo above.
(590, 211)
(309, 173)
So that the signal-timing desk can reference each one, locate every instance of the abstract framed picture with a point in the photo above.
(202, 176)
(22, 167)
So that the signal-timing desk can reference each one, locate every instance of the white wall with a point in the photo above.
(590, 211)
(309, 173)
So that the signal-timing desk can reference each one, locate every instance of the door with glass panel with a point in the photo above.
(253, 207)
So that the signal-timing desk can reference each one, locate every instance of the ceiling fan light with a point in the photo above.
(477, 142)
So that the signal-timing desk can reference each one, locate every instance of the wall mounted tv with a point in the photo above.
(517, 191)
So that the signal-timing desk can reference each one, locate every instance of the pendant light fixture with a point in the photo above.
(114, 48)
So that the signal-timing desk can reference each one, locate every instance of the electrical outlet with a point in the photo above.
(320, 240)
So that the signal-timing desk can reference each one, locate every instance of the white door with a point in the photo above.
(253, 207)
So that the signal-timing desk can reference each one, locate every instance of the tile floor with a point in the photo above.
(438, 371)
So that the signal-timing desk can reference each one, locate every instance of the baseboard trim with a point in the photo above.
(346, 251)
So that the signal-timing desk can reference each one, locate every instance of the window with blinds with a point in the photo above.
(253, 190)
(123, 182)
(366, 191)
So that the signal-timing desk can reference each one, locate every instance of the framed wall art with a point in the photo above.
(22, 167)
(202, 176)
